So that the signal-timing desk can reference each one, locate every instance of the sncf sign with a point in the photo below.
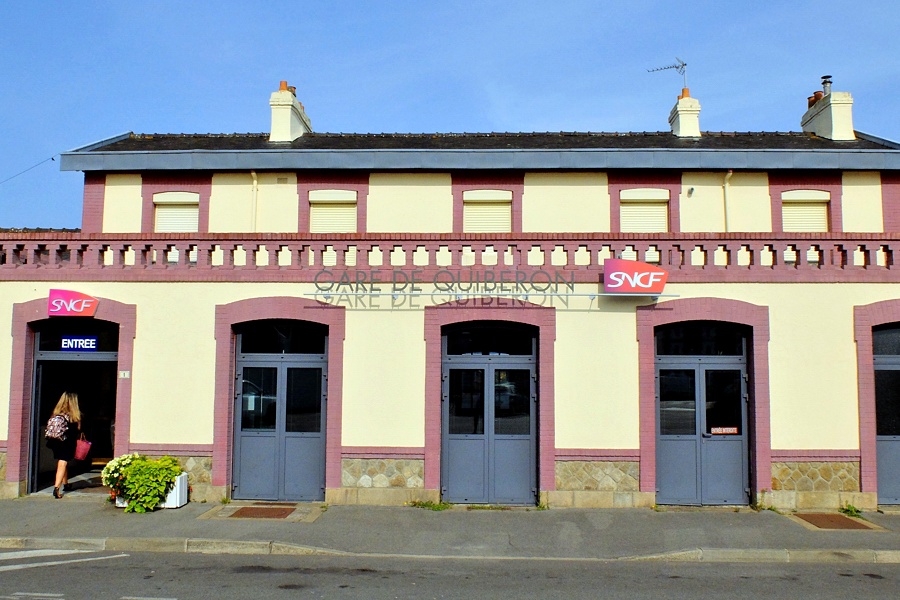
(65, 303)
(632, 277)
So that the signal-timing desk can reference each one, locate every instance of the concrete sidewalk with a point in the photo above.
(87, 521)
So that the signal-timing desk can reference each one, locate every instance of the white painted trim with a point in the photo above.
(644, 194)
(487, 196)
(806, 196)
(332, 195)
(176, 198)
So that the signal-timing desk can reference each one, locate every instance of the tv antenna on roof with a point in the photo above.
(679, 66)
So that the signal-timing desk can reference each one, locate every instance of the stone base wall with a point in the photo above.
(596, 499)
(2, 466)
(597, 476)
(383, 473)
(815, 476)
(199, 470)
(816, 485)
(380, 496)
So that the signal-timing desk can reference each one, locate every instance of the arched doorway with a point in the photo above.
(281, 370)
(489, 424)
(702, 445)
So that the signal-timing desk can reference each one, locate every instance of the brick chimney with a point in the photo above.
(830, 114)
(289, 120)
(685, 116)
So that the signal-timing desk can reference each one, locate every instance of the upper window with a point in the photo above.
(805, 210)
(487, 211)
(644, 210)
(332, 211)
(176, 212)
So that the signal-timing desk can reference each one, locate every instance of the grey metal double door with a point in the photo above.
(887, 421)
(280, 428)
(489, 441)
(702, 442)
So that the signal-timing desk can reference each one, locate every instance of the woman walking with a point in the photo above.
(64, 448)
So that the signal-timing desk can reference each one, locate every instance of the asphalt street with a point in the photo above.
(157, 576)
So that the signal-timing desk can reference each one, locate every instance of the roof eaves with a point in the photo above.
(102, 143)
(878, 140)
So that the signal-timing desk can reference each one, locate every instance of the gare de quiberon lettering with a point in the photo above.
(622, 277)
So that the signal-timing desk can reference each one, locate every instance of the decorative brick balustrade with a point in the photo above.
(753, 257)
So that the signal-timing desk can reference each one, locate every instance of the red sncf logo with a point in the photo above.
(632, 277)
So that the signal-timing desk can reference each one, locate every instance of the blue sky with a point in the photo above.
(77, 72)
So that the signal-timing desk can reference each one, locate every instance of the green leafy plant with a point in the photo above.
(850, 510)
(487, 507)
(429, 505)
(147, 481)
(113, 474)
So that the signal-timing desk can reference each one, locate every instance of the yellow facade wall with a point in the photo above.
(812, 368)
(230, 203)
(565, 202)
(596, 376)
(705, 208)
(861, 202)
(410, 202)
(277, 204)
(122, 204)
(384, 378)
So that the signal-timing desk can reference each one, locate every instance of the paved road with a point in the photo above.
(67, 575)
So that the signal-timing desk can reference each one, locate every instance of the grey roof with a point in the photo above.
(443, 151)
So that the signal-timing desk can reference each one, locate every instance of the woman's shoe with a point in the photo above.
(56, 493)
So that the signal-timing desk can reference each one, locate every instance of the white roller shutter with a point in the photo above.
(644, 217)
(804, 216)
(487, 217)
(332, 217)
(177, 218)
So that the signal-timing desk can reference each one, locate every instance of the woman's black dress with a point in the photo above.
(64, 449)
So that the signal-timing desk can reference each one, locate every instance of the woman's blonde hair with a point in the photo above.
(68, 405)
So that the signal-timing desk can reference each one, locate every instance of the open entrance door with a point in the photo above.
(92, 375)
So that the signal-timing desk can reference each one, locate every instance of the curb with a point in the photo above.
(259, 547)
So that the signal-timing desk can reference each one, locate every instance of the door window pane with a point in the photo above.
(258, 391)
(466, 401)
(708, 338)
(304, 401)
(886, 340)
(480, 338)
(677, 402)
(512, 402)
(282, 336)
(887, 402)
(723, 402)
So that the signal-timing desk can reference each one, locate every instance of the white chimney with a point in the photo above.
(289, 120)
(685, 116)
(830, 114)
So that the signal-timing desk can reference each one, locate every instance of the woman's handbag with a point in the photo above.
(82, 447)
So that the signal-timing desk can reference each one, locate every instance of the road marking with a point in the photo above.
(58, 562)
(32, 553)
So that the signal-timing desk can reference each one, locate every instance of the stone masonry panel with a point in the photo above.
(815, 476)
(383, 473)
(603, 476)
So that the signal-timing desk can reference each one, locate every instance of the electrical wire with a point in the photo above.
(53, 158)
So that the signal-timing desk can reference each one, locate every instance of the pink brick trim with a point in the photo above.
(588, 454)
(94, 198)
(156, 184)
(172, 449)
(827, 182)
(358, 183)
(815, 455)
(480, 309)
(3, 446)
(396, 452)
(20, 387)
(864, 319)
(514, 183)
(715, 309)
(890, 200)
(280, 307)
(625, 180)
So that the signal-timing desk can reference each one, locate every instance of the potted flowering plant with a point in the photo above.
(113, 476)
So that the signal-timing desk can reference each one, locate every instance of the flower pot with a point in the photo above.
(121, 502)
(178, 495)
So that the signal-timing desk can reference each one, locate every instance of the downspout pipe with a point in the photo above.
(254, 201)
(725, 188)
